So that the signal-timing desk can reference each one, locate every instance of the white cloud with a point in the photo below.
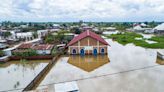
(89, 10)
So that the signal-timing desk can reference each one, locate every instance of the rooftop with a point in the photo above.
(25, 46)
(87, 34)
(43, 47)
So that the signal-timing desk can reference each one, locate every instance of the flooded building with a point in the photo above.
(43, 49)
(160, 54)
(87, 43)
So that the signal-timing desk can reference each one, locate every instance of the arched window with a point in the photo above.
(82, 52)
(73, 51)
(95, 51)
(102, 51)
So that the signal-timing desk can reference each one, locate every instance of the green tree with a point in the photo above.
(152, 24)
(1, 53)
(7, 34)
(49, 38)
(35, 34)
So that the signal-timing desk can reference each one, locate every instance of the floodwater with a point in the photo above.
(16, 75)
(147, 36)
(138, 63)
(88, 63)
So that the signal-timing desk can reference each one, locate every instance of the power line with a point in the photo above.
(92, 77)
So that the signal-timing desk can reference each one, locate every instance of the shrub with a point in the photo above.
(29, 52)
(1, 53)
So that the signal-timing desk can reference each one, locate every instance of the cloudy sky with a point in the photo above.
(87, 10)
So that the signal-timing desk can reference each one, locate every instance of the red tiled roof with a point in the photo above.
(43, 47)
(25, 46)
(87, 34)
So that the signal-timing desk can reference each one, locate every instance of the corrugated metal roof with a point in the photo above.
(87, 34)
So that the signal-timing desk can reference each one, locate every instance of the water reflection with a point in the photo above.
(16, 74)
(160, 61)
(88, 62)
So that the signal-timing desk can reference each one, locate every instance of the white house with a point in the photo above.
(109, 29)
(2, 36)
(138, 28)
(44, 49)
(23, 26)
(25, 35)
(159, 29)
(54, 28)
(56, 25)
(143, 24)
(149, 31)
(42, 33)
(2, 46)
(160, 54)
(8, 51)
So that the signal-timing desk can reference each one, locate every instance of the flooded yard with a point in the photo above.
(16, 75)
(131, 69)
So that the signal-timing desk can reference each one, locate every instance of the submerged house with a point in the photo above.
(87, 43)
(43, 49)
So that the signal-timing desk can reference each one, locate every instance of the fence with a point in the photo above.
(36, 81)
(31, 57)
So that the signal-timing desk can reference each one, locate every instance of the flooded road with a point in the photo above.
(131, 69)
(17, 75)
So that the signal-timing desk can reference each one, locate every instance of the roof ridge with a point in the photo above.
(87, 33)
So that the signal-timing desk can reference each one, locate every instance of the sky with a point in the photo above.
(86, 10)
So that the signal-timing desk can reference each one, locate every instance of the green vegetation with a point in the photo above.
(76, 30)
(7, 34)
(35, 35)
(56, 51)
(49, 38)
(129, 37)
(59, 37)
(1, 53)
(122, 26)
(125, 38)
(29, 52)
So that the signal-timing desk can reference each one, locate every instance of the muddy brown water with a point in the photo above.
(121, 58)
(89, 62)
(16, 75)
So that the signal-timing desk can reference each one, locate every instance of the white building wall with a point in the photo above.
(43, 51)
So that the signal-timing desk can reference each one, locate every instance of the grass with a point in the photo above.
(1, 64)
(129, 37)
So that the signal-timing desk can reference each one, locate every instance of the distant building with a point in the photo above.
(139, 28)
(87, 43)
(160, 54)
(3, 46)
(23, 26)
(143, 25)
(84, 25)
(109, 29)
(159, 29)
(27, 36)
(87, 28)
(54, 28)
(43, 49)
(42, 33)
